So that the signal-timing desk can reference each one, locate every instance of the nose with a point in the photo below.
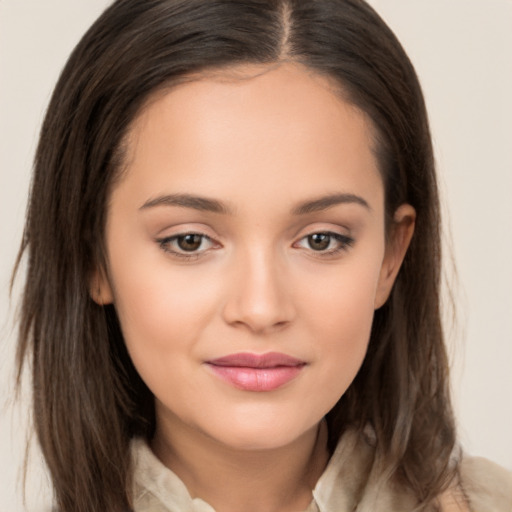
(259, 299)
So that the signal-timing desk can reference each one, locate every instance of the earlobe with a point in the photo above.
(100, 289)
(399, 240)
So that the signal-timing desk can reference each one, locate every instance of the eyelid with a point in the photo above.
(165, 241)
(345, 243)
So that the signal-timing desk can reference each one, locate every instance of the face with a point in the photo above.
(247, 254)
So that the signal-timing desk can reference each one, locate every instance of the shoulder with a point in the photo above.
(486, 485)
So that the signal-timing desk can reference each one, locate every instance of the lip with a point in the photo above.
(257, 372)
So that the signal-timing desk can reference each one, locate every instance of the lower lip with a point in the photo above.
(257, 379)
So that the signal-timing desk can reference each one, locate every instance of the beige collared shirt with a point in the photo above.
(349, 483)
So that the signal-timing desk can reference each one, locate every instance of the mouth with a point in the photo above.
(257, 372)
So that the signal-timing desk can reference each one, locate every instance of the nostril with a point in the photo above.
(257, 297)
(271, 317)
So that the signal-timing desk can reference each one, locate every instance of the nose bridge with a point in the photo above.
(258, 297)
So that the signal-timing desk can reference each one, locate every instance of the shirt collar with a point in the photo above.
(338, 489)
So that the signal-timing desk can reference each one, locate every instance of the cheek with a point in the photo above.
(162, 311)
(343, 296)
(341, 310)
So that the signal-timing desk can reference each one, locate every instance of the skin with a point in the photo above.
(261, 140)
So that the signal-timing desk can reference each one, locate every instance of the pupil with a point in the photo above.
(189, 242)
(319, 241)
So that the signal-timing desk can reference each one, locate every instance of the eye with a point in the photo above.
(186, 244)
(190, 243)
(325, 242)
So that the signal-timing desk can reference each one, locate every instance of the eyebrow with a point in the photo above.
(326, 202)
(215, 206)
(188, 201)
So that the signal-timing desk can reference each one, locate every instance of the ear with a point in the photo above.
(99, 288)
(400, 236)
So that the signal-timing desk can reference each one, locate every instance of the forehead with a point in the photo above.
(238, 126)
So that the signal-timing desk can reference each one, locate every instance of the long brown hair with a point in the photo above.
(89, 401)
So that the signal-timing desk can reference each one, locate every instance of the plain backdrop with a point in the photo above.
(462, 50)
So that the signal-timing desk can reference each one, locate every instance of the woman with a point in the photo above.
(193, 342)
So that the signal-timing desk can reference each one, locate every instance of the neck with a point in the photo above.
(230, 480)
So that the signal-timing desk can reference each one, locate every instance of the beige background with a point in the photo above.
(462, 50)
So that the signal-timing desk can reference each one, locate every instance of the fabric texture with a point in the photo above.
(351, 482)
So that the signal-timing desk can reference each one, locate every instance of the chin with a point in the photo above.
(260, 435)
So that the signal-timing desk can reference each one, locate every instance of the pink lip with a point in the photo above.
(257, 372)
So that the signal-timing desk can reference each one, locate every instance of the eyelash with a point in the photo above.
(344, 243)
(165, 244)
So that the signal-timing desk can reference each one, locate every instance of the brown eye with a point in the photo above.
(319, 241)
(325, 243)
(189, 243)
(189, 246)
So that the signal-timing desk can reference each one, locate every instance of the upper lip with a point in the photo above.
(248, 360)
